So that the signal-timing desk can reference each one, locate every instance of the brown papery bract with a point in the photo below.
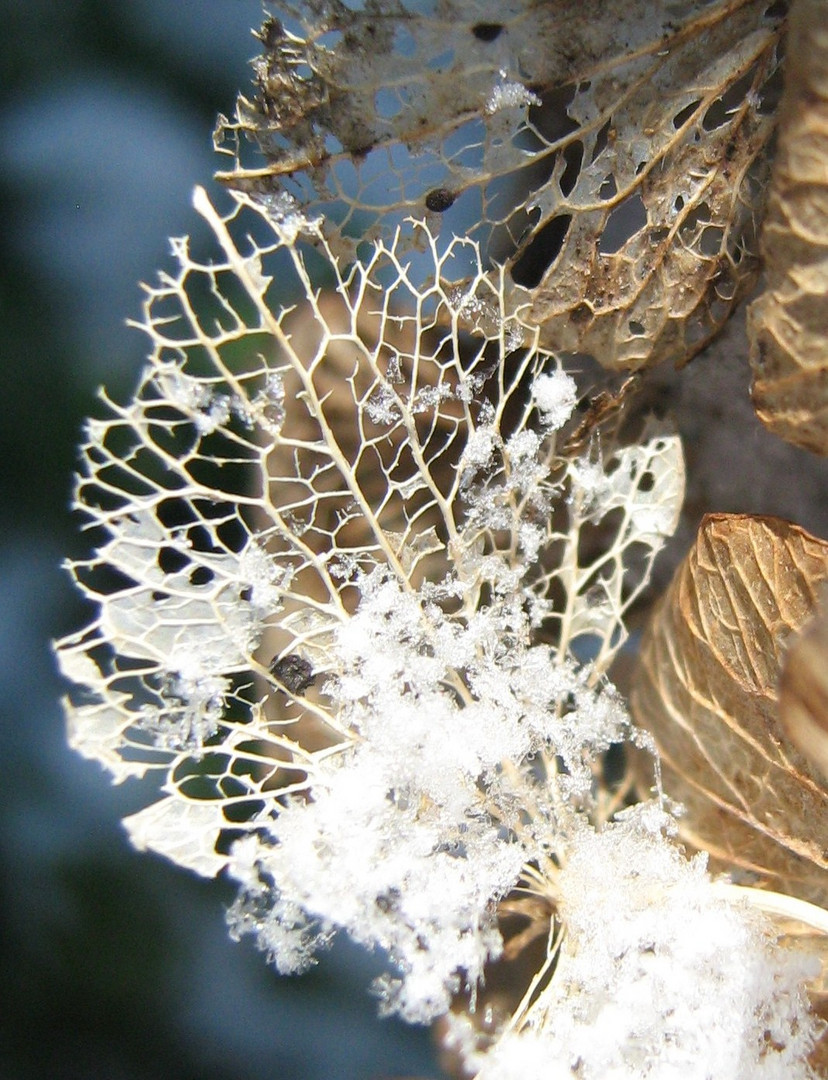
(803, 691)
(745, 764)
(788, 326)
(707, 689)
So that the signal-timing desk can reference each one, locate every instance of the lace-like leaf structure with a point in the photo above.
(611, 157)
(329, 540)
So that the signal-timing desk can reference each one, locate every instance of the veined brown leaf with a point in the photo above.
(611, 157)
(788, 325)
(707, 690)
(803, 692)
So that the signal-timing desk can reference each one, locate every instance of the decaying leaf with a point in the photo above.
(803, 692)
(707, 689)
(789, 323)
(273, 459)
(610, 156)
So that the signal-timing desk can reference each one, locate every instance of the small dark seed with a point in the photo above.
(487, 31)
(294, 673)
(439, 200)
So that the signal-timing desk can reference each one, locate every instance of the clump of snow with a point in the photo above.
(509, 95)
(660, 976)
(283, 211)
(555, 396)
(411, 837)
(460, 748)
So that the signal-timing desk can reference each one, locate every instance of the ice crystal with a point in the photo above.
(555, 395)
(659, 974)
(347, 613)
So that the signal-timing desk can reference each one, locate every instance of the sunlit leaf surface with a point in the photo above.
(707, 689)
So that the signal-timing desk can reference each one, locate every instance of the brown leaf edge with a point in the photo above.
(788, 324)
(707, 688)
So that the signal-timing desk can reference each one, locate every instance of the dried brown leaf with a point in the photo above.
(707, 689)
(789, 323)
(803, 692)
(612, 157)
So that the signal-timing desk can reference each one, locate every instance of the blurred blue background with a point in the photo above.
(114, 965)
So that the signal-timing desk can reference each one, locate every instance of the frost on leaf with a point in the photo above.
(632, 998)
(611, 156)
(355, 606)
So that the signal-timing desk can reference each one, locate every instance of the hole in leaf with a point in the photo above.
(683, 115)
(550, 120)
(710, 242)
(699, 215)
(770, 93)
(487, 31)
(201, 575)
(623, 223)
(609, 188)
(541, 252)
(636, 327)
(242, 811)
(573, 156)
(647, 482)
(601, 140)
(173, 513)
(387, 104)
(596, 538)
(232, 535)
(721, 111)
(171, 561)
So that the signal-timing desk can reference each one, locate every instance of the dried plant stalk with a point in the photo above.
(707, 689)
(789, 324)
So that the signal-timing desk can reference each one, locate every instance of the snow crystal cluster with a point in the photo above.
(659, 975)
(510, 95)
(416, 829)
(367, 747)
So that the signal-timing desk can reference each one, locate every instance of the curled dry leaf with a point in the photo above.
(789, 323)
(803, 692)
(707, 690)
(611, 157)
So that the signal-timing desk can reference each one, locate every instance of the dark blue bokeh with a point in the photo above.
(115, 965)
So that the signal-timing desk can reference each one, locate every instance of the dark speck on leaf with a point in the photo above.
(272, 33)
(294, 673)
(439, 199)
(486, 31)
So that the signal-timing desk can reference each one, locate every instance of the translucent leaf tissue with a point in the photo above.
(360, 571)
